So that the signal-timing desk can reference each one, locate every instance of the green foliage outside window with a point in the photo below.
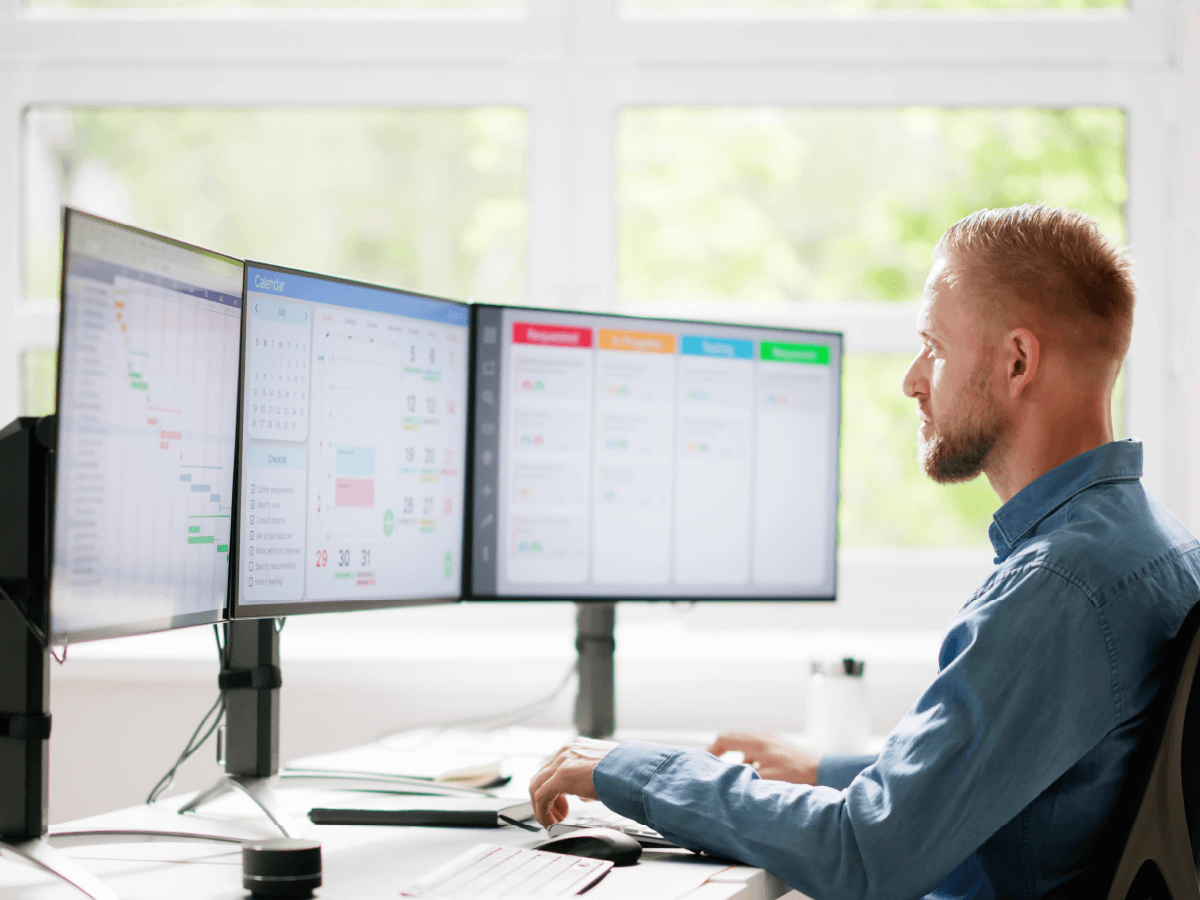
(822, 205)
(38, 376)
(432, 200)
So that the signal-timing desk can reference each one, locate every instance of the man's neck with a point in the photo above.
(1040, 445)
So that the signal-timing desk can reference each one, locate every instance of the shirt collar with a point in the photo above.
(1115, 461)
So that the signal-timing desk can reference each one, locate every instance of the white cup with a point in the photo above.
(839, 716)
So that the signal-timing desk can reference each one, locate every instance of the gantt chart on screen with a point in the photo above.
(146, 418)
(625, 457)
(354, 437)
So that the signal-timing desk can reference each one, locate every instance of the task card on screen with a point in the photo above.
(621, 457)
(353, 444)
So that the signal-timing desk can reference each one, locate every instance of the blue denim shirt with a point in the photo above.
(999, 779)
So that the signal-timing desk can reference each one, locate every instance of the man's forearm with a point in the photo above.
(837, 770)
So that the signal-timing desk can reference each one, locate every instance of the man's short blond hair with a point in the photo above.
(1054, 263)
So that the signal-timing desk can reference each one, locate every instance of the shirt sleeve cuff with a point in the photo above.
(620, 777)
(837, 770)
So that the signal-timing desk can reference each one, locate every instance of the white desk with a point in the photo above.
(360, 863)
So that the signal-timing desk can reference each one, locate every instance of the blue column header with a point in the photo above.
(725, 348)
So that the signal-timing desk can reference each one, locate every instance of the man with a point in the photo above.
(1000, 778)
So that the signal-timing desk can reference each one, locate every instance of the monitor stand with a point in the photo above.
(25, 733)
(26, 502)
(595, 706)
(250, 680)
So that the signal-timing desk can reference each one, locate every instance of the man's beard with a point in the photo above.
(956, 454)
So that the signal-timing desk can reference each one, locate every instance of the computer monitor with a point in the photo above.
(115, 511)
(350, 481)
(352, 447)
(627, 458)
(146, 400)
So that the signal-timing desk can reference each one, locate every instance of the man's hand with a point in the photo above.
(773, 757)
(568, 772)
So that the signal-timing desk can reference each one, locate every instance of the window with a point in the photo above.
(786, 161)
(432, 200)
(828, 205)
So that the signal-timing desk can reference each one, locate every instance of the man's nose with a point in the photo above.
(914, 381)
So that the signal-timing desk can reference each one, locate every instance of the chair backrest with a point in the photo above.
(1153, 836)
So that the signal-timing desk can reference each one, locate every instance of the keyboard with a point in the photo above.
(603, 817)
(489, 870)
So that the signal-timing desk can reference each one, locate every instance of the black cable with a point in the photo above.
(518, 824)
(193, 745)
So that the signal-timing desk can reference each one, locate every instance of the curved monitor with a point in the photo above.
(352, 446)
(147, 400)
(629, 458)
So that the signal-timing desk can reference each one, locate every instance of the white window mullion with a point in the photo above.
(1138, 36)
(1148, 392)
(592, 254)
(549, 190)
(1185, 244)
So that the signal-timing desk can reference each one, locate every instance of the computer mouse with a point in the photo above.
(596, 843)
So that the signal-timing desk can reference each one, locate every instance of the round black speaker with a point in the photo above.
(284, 867)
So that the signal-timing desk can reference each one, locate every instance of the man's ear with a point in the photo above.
(1021, 358)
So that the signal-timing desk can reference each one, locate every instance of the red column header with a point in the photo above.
(551, 335)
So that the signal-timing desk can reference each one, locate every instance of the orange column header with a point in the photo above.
(636, 341)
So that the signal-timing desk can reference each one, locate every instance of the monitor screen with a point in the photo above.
(352, 446)
(618, 457)
(147, 400)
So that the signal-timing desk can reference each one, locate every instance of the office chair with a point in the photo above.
(1153, 836)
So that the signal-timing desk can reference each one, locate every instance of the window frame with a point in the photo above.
(574, 64)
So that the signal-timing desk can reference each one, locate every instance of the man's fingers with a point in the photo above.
(560, 807)
(748, 744)
(548, 769)
(546, 796)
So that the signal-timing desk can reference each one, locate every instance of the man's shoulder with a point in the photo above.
(1108, 539)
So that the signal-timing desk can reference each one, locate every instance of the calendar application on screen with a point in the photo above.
(354, 423)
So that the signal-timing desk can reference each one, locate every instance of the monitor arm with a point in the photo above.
(595, 707)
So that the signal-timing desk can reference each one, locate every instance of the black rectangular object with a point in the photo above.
(447, 813)
(26, 497)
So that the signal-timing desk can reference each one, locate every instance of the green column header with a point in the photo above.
(803, 354)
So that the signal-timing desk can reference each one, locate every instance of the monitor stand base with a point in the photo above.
(40, 853)
(261, 793)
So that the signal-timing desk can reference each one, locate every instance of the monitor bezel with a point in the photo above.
(142, 626)
(238, 610)
(469, 555)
